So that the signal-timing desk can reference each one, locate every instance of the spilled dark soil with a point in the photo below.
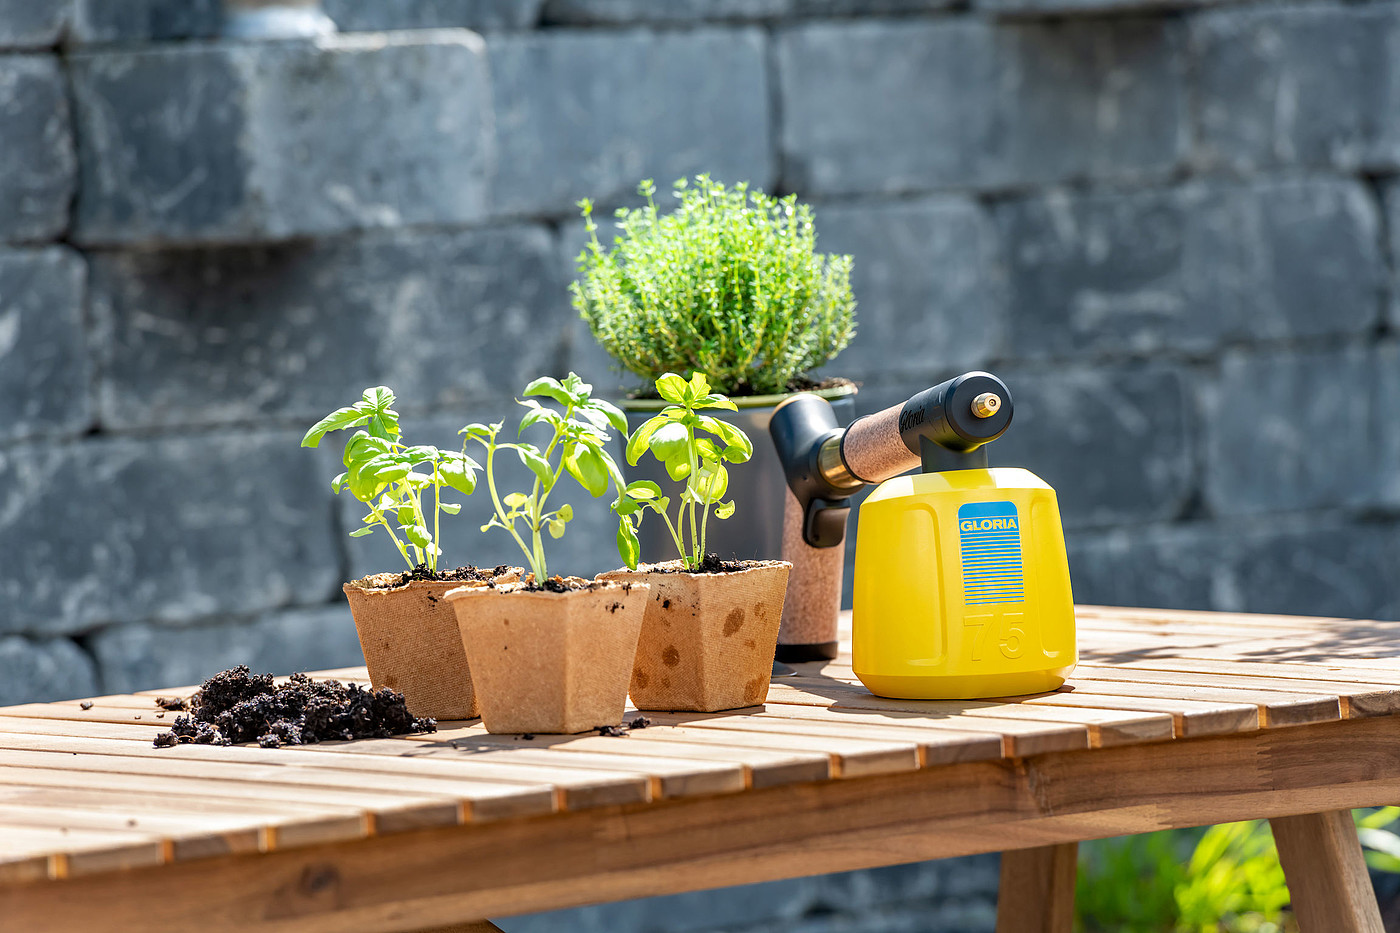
(238, 706)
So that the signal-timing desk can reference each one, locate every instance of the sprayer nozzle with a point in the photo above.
(986, 404)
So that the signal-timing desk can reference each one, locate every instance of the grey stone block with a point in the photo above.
(589, 543)
(1163, 566)
(168, 530)
(1084, 7)
(1310, 86)
(628, 12)
(149, 657)
(37, 165)
(1190, 268)
(1315, 566)
(44, 669)
(591, 113)
(946, 895)
(909, 106)
(295, 331)
(1302, 429)
(32, 24)
(1115, 443)
(927, 284)
(250, 142)
(481, 15)
(99, 21)
(44, 371)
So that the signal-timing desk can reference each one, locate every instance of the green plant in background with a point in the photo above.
(576, 448)
(729, 284)
(1128, 884)
(674, 438)
(1234, 882)
(389, 478)
(1223, 879)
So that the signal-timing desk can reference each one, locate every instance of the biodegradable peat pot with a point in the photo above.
(411, 643)
(707, 638)
(760, 494)
(547, 662)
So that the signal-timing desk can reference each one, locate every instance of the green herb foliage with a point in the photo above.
(729, 284)
(575, 447)
(675, 438)
(1223, 879)
(391, 478)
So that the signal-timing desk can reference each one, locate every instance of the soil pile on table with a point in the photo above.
(239, 706)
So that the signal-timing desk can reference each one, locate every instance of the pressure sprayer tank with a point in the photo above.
(961, 581)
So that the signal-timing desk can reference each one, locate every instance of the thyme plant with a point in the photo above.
(674, 438)
(576, 448)
(729, 284)
(389, 477)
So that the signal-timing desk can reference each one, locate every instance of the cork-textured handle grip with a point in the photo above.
(873, 449)
(813, 605)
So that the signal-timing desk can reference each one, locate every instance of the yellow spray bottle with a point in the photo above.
(961, 581)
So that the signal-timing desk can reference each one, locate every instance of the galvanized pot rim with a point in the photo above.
(743, 401)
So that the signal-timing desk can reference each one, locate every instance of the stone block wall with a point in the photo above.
(1171, 226)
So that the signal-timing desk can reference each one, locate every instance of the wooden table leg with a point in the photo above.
(1037, 889)
(1326, 873)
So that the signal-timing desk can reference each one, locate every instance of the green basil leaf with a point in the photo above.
(671, 388)
(670, 441)
(550, 387)
(460, 473)
(537, 414)
(418, 535)
(698, 388)
(626, 506)
(478, 430)
(407, 516)
(678, 468)
(724, 509)
(614, 414)
(728, 433)
(335, 421)
(556, 528)
(420, 454)
(628, 547)
(451, 508)
(585, 465)
(565, 512)
(537, 464)
(643, 489)
(516, 499)
(338, 482)
(379, 398)
(716, 401)
(361, 532)
(577, 389)
(637, 443)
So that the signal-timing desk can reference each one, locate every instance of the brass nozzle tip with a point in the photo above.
(986, 404)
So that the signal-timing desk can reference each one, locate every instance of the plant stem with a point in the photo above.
(389, 528)
(696, 558)
(706, 509)
(437, 514)
(501, 509)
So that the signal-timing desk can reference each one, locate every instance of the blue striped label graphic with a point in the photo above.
(991, 553)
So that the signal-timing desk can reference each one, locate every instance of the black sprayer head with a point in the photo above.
(947, 425)
(942, 428)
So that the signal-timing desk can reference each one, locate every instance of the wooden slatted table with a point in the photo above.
(1172, 719)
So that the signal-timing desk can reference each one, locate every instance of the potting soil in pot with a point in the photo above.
(239, 706)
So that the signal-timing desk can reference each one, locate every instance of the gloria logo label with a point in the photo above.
(993, 571)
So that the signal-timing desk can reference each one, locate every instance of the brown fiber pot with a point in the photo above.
(550, 662)
(411, 643)
(707, 638)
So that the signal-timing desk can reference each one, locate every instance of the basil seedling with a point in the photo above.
(674, 438)
(391, 478)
